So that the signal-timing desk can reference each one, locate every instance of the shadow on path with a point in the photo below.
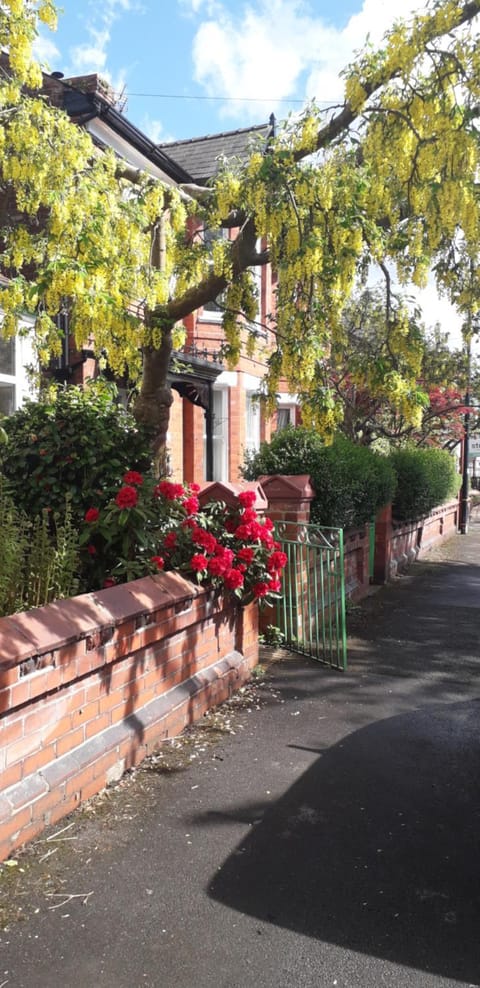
(376, 847)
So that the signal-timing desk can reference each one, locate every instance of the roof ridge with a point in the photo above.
(212, 137)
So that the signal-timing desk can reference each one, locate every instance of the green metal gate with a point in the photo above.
(311, 613)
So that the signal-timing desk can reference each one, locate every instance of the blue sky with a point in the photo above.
(248, 58)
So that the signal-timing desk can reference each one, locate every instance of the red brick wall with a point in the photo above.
(398, 544)
(356, 556)
(90, 686)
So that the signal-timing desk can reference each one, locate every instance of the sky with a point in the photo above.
(194, 67)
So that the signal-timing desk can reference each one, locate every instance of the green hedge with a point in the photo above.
(351, 482)
(72, 442)
(425, 479)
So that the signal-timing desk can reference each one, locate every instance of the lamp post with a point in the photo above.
(463, 513)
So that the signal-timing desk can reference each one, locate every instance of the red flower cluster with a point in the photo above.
(277, 561)
(169, 490)
(233, 579)
(170, 540)
(127, 497)
(199, 562)
(191, 505)
(133, 477)
(247, 498)
(92, 515)
(204, 539)
(158, 561)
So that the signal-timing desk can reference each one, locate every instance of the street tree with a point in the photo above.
(357, 367)
(388, 178)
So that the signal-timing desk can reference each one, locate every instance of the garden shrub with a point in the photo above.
(151, 526)
(425, 479)
(75, 441)
(40, 558)
(351, 482)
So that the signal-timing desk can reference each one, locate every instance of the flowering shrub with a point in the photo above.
(151, 526)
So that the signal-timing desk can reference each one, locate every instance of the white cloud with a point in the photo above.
(45, 51)
(279, 49)
(153, 128)
(192, 7)
(91, 55)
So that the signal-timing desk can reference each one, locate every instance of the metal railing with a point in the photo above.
(311, 613)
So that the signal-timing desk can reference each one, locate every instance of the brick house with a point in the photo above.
(214, 417)
(237, 421)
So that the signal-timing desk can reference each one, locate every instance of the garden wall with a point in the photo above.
(398, 544)
(90, 686)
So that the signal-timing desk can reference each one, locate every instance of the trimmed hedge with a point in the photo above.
(351, 482)
(425, 479)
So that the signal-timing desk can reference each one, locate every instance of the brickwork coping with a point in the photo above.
(43, 628)
(217, 490)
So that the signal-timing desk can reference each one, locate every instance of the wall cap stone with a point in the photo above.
(280, 486)
(217, 490)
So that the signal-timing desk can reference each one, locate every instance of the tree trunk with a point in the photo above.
(152, 406)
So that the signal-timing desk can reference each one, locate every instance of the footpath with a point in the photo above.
(322, 830)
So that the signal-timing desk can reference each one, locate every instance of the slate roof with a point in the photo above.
(199, 156)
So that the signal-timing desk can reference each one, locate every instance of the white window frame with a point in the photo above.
(23, 356)
(253, 417)
(213, 315)
(221, 451)
(220, 432)
(287, 403)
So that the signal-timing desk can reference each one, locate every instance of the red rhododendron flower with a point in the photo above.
(199, 562)
(191, 505)
(127, 497)
(249, 515)
(265, 537)
(247, 498)
(109, 582)
(275, 585)
(260, 589)
(241, 567)
(158, 561)
(217, 566)
(170, 540)
(277, 561)
(246, 554)
(189, 523)
(92, 515)
(268, 523)
(133, 477)
(244, 532)
(169, 490)
(195, 488)
(227, 555)
(233, 579)
(91, 550)
(205, 539)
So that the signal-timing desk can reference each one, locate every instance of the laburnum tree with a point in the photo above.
(356, 371)
(389, 178)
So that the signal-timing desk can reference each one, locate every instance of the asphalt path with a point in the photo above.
(331, 839)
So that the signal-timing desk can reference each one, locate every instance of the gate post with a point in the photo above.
(383, 545)
(289, 497)
(289, 500)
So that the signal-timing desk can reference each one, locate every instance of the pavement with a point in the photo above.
(324, 831)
